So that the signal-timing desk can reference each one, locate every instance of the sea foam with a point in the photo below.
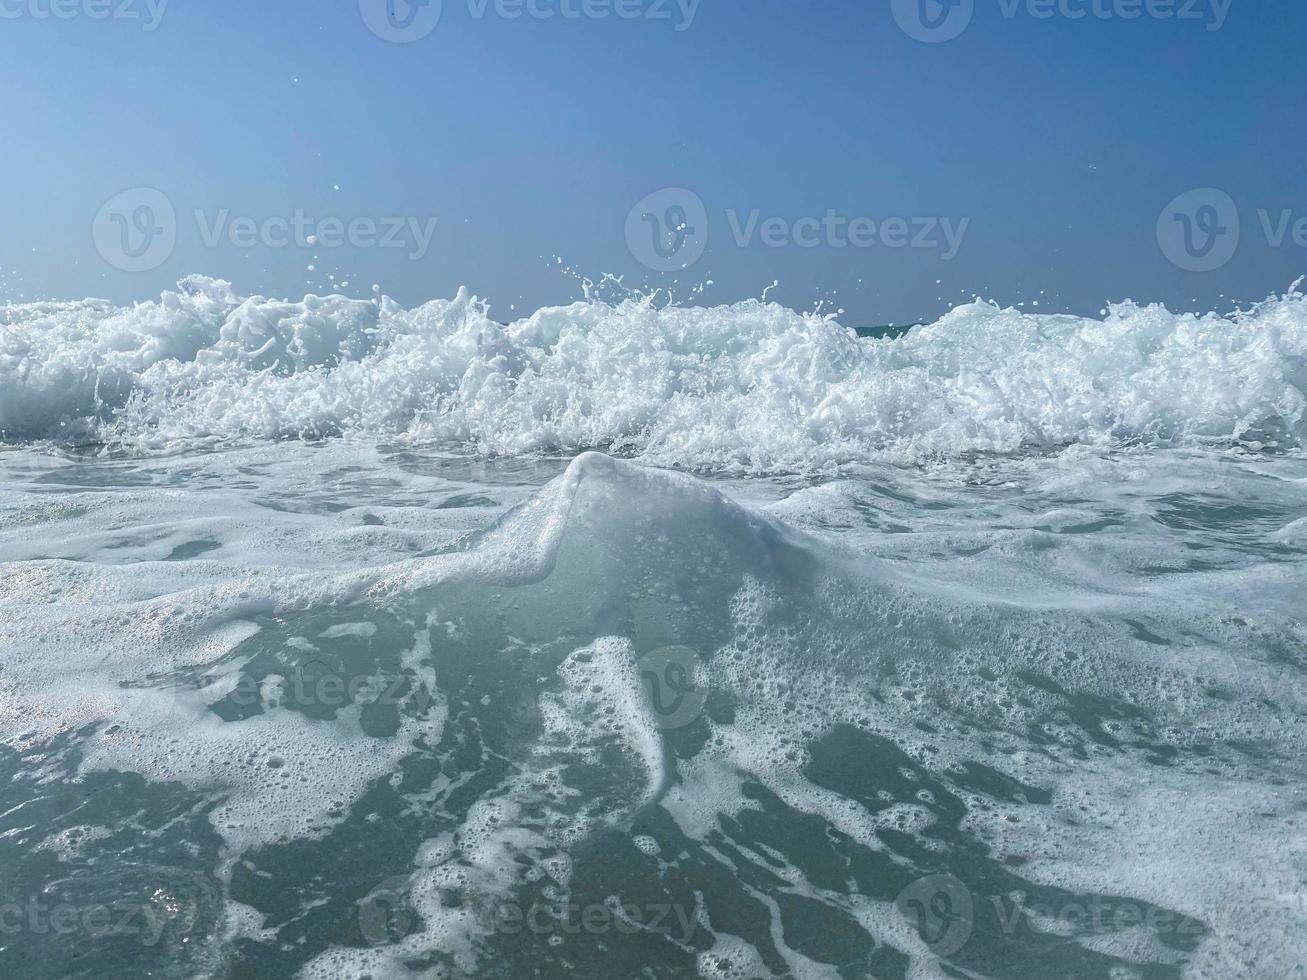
(751, 387)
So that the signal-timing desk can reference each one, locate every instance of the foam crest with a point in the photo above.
(749, 387)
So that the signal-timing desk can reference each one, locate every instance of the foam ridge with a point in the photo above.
(750, 387)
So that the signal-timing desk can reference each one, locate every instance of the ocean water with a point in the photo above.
(339, 640)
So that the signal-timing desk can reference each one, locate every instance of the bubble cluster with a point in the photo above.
(1037, 668)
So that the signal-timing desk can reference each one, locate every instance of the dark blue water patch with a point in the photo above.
(1234, 522)
(319, 680)
(192, 549)
(1141, 632)
(132, 896)
(999, 941)
(460, 501)
(1089, 527)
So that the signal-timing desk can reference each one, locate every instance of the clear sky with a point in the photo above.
(1031, 157)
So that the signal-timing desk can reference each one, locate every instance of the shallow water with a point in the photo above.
(327, 650)
(348, 709)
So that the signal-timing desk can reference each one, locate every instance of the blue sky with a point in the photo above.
(1031, 158)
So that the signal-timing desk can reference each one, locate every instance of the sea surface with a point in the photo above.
(340, 640)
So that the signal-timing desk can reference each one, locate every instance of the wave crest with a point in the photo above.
(747, 387)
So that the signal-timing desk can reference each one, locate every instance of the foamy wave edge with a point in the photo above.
(750, 387)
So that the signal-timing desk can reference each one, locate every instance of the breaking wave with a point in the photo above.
(751, 387)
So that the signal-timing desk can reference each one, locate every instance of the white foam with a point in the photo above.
(751, 387)
(854, 627)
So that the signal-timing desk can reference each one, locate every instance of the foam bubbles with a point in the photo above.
(751, 387)
(1078, 676)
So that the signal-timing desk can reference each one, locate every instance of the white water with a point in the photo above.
(752, 387)
(1115, 630)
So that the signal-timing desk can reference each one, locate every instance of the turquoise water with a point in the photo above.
(354, 709)
(327, 650)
